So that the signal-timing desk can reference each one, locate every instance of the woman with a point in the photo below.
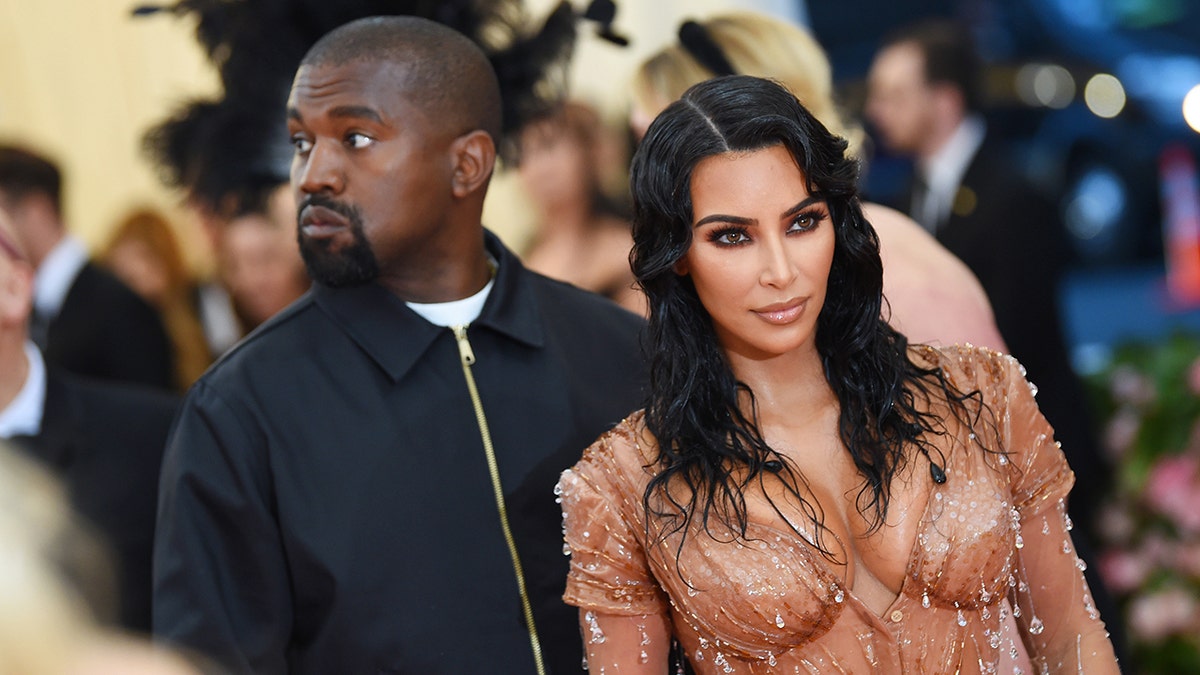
(932, 296)
(145, 254)
(581, 237)
(805, 492)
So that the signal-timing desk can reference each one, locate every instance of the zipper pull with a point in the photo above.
(464, 347)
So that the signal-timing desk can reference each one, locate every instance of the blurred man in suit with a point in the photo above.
(84, 319)
(103, 440)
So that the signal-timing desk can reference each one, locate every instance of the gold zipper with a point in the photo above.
(468, 359)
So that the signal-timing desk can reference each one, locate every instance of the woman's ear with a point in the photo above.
(681, 267)
(474, 156)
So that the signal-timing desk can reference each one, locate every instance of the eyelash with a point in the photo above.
(815, 216)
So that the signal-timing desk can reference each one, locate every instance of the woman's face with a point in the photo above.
(135, 263)
(554, 166)
(761, 251)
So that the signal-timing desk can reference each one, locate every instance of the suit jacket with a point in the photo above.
(106, 331)
(1010, 234)
(105, 442)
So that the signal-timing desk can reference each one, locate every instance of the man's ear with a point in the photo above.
(474, 157)
(16, 294)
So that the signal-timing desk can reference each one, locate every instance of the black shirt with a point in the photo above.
(325, 503)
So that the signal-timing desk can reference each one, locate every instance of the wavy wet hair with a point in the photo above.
(710, 447)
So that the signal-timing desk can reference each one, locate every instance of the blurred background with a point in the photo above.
(1099, 101)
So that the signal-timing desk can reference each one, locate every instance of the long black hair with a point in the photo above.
(706, 440)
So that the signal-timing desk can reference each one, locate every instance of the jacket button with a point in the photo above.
(897, 615)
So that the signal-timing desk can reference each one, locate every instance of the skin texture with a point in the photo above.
(367, 152)
(933, 297)
(761, 253)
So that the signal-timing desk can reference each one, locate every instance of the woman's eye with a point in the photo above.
(805, 222)
(731, 237)
(359, 141)
(302, 144)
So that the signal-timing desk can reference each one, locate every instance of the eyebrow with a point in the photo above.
(344, 112)
(740, 220)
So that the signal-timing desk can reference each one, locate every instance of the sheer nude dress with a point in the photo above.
(992, 583)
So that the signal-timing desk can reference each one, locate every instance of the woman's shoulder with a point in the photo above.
(617, 464)
(628, 444)
(968, 363)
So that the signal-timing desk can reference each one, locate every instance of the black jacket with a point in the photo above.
(326, 504)
(105, 442)
(105, 331)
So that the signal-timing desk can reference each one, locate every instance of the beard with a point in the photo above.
(347, 266)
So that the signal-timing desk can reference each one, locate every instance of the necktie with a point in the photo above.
(39, 329)
(924, 204)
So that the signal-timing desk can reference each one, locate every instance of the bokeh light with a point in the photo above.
(1191, 108)
(1104, 95)
(1047, 85)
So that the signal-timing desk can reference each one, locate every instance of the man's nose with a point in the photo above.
(322, 170)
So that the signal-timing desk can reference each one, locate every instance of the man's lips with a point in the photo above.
(781, 313)
(319, 221)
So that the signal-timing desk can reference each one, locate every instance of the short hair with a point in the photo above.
(24, 172)
(447, 73)
(751, 44)
(950, 55)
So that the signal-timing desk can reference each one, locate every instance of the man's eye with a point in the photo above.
(301, 144)
(359, 141)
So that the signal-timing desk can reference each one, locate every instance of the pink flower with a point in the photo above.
(1173, 489)
(1123, 571)
(1130, 386)
(1187, 559)
(1156, 616)
(1121, 432)
(1193, 377)
(1115, 523)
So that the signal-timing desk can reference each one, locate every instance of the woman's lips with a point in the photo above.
(781, 313)
(320, 222)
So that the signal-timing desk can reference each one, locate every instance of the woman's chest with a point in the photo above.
(949, 546)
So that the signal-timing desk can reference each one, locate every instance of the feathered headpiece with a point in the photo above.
(226, 153)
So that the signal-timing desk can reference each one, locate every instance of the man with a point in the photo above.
(103, 440)
(329, 498)
(84, 319)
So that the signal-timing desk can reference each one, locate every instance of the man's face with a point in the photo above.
(899, 100)
(16, 280)
(371, 172)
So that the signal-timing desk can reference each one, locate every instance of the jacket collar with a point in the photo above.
(396, 338)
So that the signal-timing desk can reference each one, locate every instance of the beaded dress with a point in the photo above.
(992, 583)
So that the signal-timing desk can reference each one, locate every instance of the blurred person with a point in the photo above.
(364, 484)
(144, 252)
(924, 100)
(84, 318)
(581, 236)
(806, 491)
(259, 261)
(931, 295)
(56, 586)
(104, 440)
